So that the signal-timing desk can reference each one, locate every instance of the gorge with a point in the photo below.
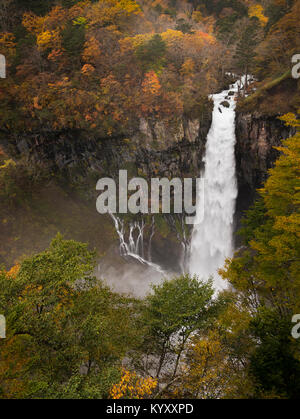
(181, 156)
(205, 247)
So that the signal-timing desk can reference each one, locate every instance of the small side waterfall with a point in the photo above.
(211, 240)
(133, 247)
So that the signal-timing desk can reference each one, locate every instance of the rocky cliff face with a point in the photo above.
(73, 159)
(155, 148)
(255, 154)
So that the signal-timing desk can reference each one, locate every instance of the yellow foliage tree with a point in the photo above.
(48, 39)
(188, 68)
(132, 386)
(7, 43)
(257, 10)
(151, 83)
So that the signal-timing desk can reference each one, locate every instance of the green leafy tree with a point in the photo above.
(151, 54)
(273, 365)
(266, 275)
(73, 39)
(66, 332)
(245, 49)
(170, 315)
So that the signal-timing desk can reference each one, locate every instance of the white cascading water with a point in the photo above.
(212, 237)
(134, 247)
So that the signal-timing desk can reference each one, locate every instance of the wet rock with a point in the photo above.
(225, 104)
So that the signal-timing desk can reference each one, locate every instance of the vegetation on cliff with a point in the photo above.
(100, 67)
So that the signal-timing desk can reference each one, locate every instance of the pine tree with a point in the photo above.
(245, 50)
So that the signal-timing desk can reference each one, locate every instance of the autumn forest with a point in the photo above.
(101, 307)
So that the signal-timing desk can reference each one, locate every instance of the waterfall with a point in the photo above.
(212, 237)
(134, 246)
